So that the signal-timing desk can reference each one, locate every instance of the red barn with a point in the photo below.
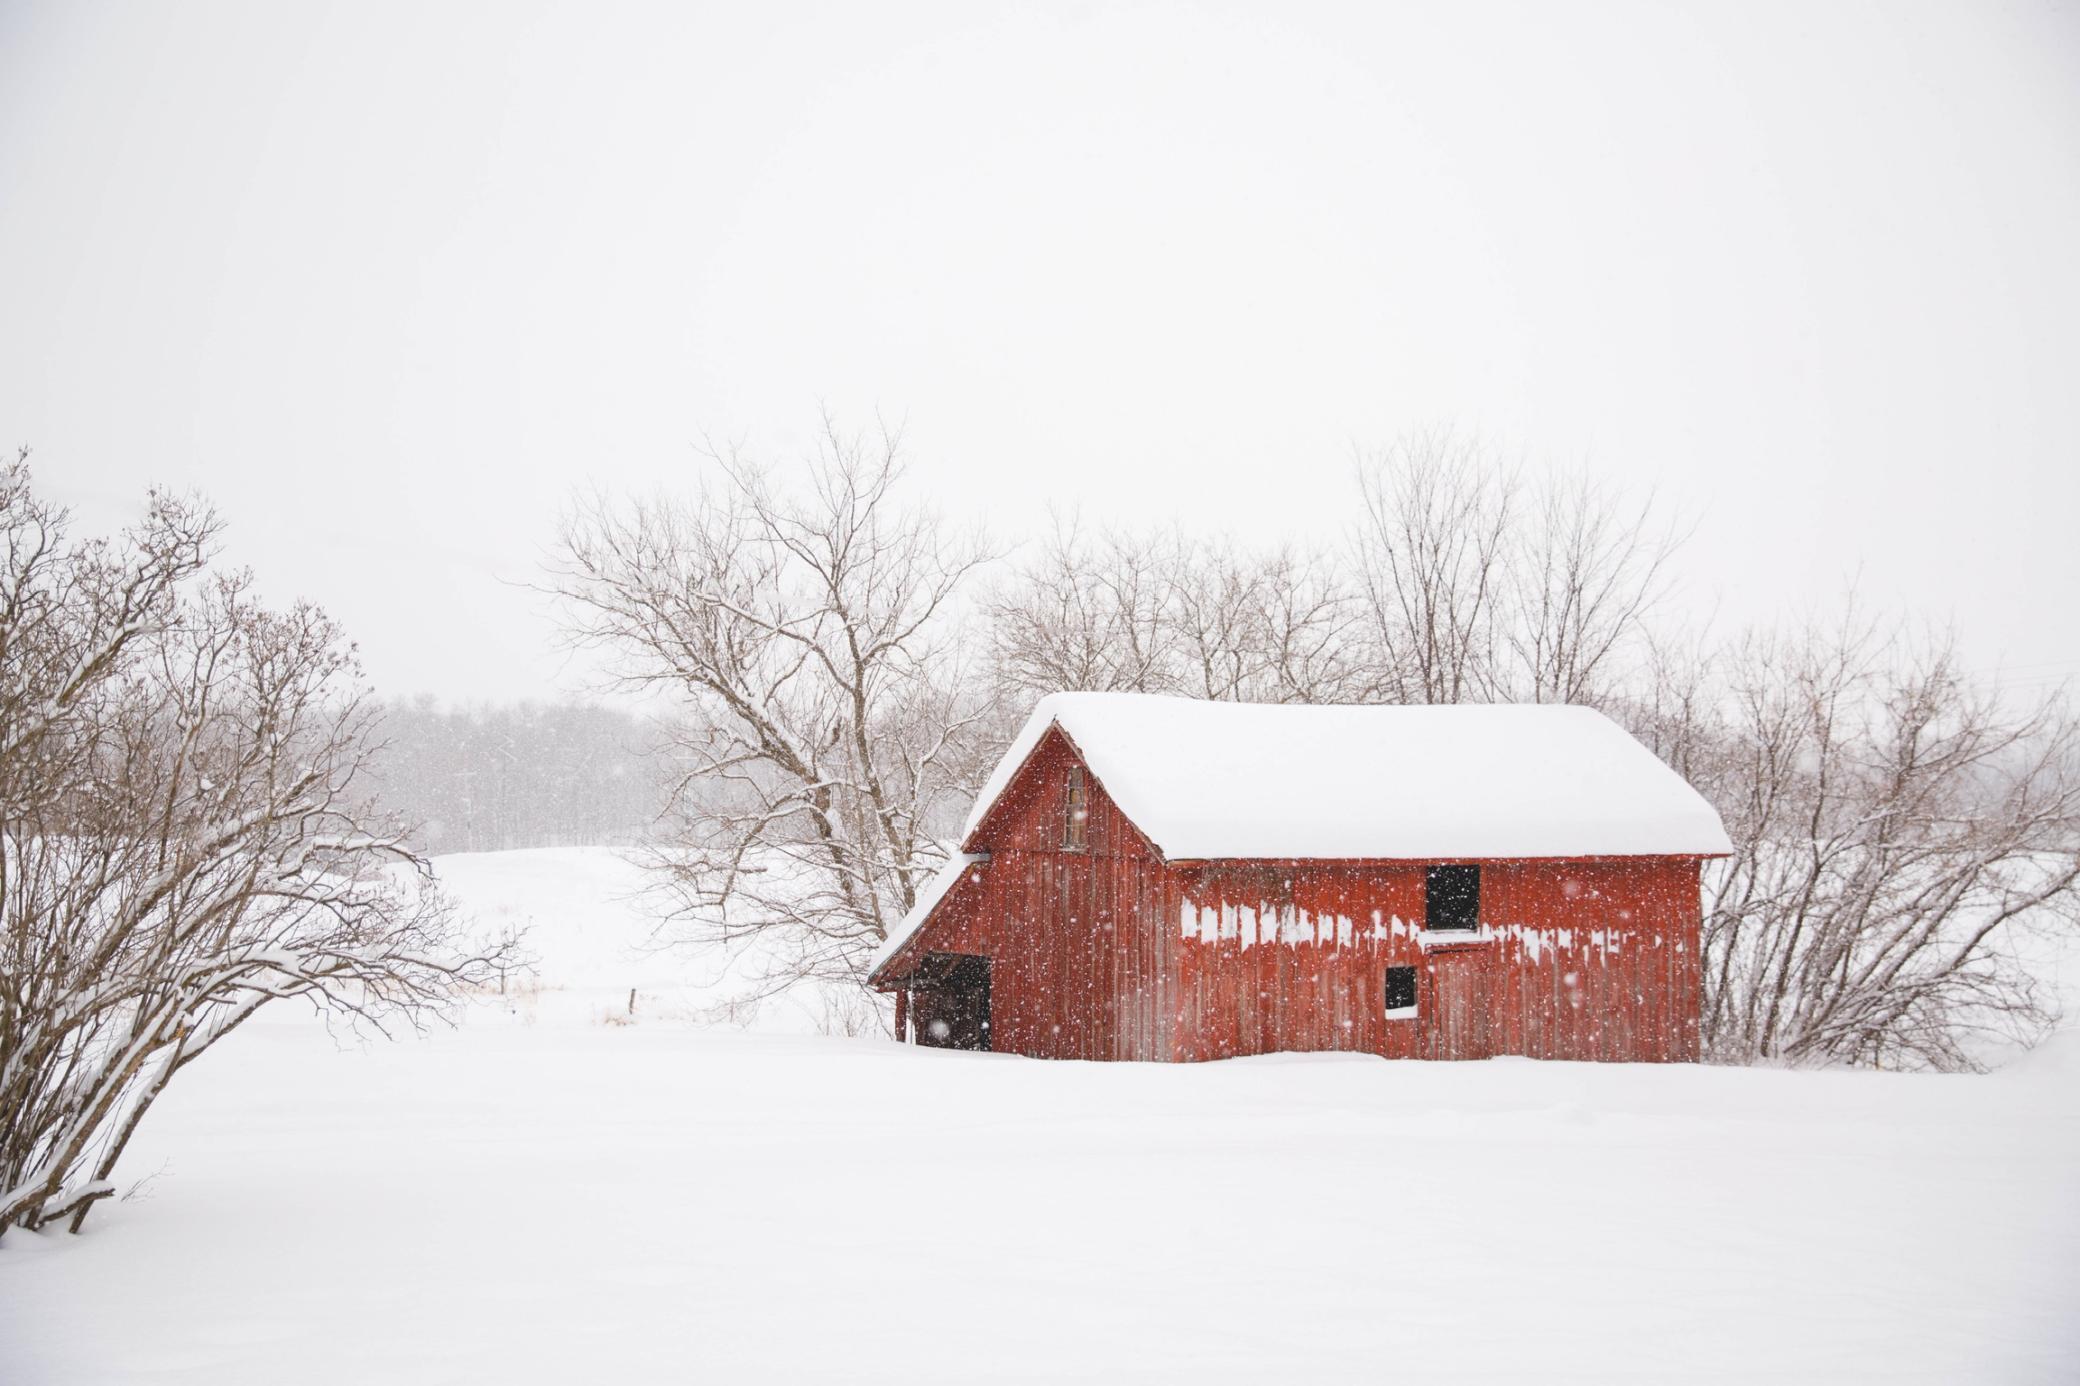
(1160, 878)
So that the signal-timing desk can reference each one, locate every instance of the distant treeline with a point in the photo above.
(487, 778)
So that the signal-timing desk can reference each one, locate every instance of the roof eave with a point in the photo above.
(877, 976)
(974, 835)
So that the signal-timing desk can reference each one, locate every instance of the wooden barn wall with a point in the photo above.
(1109, 953)
(1574, 960)
(1077, 960)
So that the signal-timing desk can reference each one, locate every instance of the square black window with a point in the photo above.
(1401, 988)
(1452, 897)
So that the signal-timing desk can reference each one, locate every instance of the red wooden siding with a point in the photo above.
(1111, 953)
(1592, 959)
(1076, 962)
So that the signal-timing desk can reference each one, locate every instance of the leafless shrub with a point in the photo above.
(179, 843)
(738, 1012)
(853, 1012)
(1893, 827)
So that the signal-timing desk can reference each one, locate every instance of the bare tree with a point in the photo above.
(1214, 598)
(1088, 613)
(179, 845)
(1433, 548)
(1157, 612)
(1310, 620)
(1894, 829)
(829, 721)
(1583, 578)
(1480, 586)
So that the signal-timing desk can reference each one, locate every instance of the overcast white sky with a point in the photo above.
(388, 281)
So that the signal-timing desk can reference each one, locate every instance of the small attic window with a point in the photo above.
(1451, 897)
(1076, 812)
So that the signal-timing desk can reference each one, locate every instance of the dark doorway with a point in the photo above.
(952, 1001)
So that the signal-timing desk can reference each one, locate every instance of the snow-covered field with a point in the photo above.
(717, 1193)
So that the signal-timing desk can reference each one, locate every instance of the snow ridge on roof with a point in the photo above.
(1260, 781)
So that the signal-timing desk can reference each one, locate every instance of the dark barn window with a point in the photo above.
(1401, 988)
(1452, 897)
(1077, 813)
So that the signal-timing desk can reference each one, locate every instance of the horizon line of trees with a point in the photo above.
(491, 777)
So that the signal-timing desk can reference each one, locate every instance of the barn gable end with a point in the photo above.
(1076, 960)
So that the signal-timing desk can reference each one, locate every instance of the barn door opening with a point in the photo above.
(952, 1001)
(1458, 1012)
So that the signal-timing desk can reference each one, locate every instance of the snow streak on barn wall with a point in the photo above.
(1592, 959)
(1109, 952)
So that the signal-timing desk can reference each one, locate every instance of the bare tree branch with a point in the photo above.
(828, 724)
(178, 841)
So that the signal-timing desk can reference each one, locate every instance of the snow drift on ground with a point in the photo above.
(543, 1196)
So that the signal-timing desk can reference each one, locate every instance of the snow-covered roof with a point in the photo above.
(1258, 781)
(928, 900)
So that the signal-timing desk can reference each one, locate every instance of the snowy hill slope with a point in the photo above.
(539, 1196)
